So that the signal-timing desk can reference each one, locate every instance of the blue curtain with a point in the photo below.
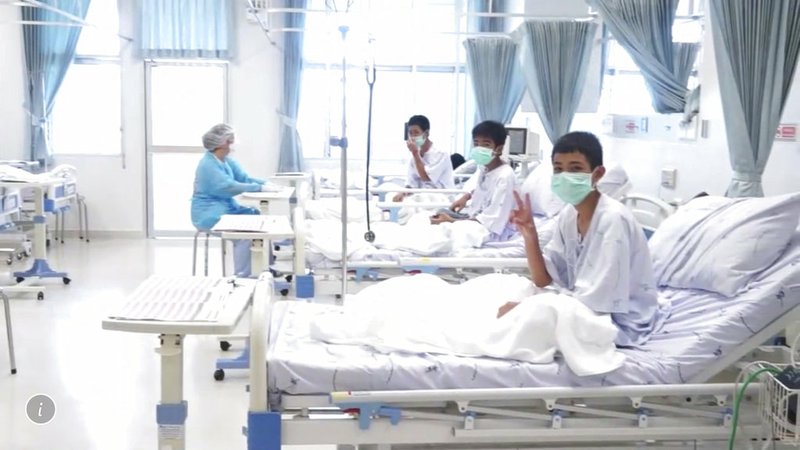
(483, 24)
(644, 29)
(291, 152)
(493, 68)
(49, 50)
(555, 57)
(190, 29)
(756, 46)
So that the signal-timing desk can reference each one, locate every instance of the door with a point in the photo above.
(183, 100)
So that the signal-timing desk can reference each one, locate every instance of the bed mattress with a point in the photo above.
(702, 328)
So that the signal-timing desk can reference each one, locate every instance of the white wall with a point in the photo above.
(115, 189)
(702, 164)
(12, 87)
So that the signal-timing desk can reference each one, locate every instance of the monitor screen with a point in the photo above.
(517, 140)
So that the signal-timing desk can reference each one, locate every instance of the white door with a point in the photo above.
(183, 101)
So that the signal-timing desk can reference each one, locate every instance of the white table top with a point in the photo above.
(397, 205)
(254, 227)
(286, 193)
(215, 304)
(290, 176)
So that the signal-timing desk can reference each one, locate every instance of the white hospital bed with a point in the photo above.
(307, 392)
(371, 264)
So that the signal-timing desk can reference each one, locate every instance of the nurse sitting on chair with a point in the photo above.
(217, 180)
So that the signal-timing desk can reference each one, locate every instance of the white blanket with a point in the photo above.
(418, 236)
(60, 173)
(424, 314)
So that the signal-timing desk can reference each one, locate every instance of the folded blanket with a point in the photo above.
(424, 314)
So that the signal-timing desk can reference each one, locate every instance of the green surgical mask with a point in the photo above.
(572, 188)
(420, 141)
(482, 155)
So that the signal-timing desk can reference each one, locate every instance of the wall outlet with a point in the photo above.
(668, 177)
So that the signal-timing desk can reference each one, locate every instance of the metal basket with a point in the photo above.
(774, 401)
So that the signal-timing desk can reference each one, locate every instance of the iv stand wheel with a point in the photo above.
(224, 345)
(66, 280)
(40, 296)
(219, 374)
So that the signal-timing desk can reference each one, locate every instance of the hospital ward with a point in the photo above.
(213, 234)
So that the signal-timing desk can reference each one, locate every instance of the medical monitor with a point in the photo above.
(517, 142)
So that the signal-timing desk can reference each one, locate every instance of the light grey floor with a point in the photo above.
(106, 384)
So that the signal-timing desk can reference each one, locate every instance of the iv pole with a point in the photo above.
(342, 144)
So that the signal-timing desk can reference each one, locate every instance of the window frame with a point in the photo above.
(97, 60)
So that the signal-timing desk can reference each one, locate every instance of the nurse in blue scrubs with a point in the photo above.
(217, 180)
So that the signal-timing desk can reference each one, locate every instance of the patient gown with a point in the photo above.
(492, 201)
(609, 269)
(437, 166)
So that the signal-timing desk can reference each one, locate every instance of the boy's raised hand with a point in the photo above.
(522, 215)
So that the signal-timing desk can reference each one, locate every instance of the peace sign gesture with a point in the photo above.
(522, 215)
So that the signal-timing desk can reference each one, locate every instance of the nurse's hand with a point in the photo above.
(398, 197)
(522, 215)
(505, 309)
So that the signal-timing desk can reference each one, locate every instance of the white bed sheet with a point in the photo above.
(513, 248)
(702, 328)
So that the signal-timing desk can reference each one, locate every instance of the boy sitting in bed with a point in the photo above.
(598, 253)
(491, 200)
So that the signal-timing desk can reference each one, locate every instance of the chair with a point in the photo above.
(194, 251)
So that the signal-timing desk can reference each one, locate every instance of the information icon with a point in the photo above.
(40, 409)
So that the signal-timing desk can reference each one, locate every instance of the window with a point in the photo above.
(86, 116)
(420, 70)
(624, 90)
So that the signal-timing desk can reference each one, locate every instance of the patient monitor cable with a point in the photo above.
(369, 236)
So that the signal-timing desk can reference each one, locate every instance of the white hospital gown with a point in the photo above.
(609, 270)
(492, 201)
(437, 166)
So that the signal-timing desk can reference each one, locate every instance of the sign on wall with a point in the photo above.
(786, 132)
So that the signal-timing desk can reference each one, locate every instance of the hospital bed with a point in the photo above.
(307, 392)
(367, 263)
(13, 241)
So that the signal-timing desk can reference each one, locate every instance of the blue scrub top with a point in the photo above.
(215, 184)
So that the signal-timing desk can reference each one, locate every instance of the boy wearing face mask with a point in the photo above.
(598, 253)
(428, 167)
(492, 200)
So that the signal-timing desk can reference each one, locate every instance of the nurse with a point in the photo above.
(217, 180)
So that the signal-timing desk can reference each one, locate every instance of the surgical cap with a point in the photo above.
(217, 136)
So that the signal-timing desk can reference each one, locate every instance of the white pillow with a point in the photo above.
(719, 244)
(543, 201)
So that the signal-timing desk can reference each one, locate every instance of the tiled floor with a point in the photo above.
(106, 384)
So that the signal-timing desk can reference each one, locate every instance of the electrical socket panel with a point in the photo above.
(668, 178)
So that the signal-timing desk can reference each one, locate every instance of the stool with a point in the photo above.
(8, 332)
(194, 252)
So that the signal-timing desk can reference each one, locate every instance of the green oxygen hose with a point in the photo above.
(738, 401)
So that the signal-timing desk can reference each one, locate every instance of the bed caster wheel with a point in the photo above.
(20, 279)
(219, 374)
(40, 296)
(284, 292)
(369, 236)
(47, 243)
(21, 255)
(9, 261)
(224, 346)
(66, 280)
(289, 278)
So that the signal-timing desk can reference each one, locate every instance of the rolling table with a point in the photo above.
(257, 229)
(275, 203)
(40, 269)
(173, 307)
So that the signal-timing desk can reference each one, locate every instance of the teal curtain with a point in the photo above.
(49, 50)
(644, 29)
(555, 57)
(291, 152)
(186, 29)
(756, 45)
(496, 76)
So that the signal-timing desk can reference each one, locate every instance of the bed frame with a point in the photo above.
(563, 418)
